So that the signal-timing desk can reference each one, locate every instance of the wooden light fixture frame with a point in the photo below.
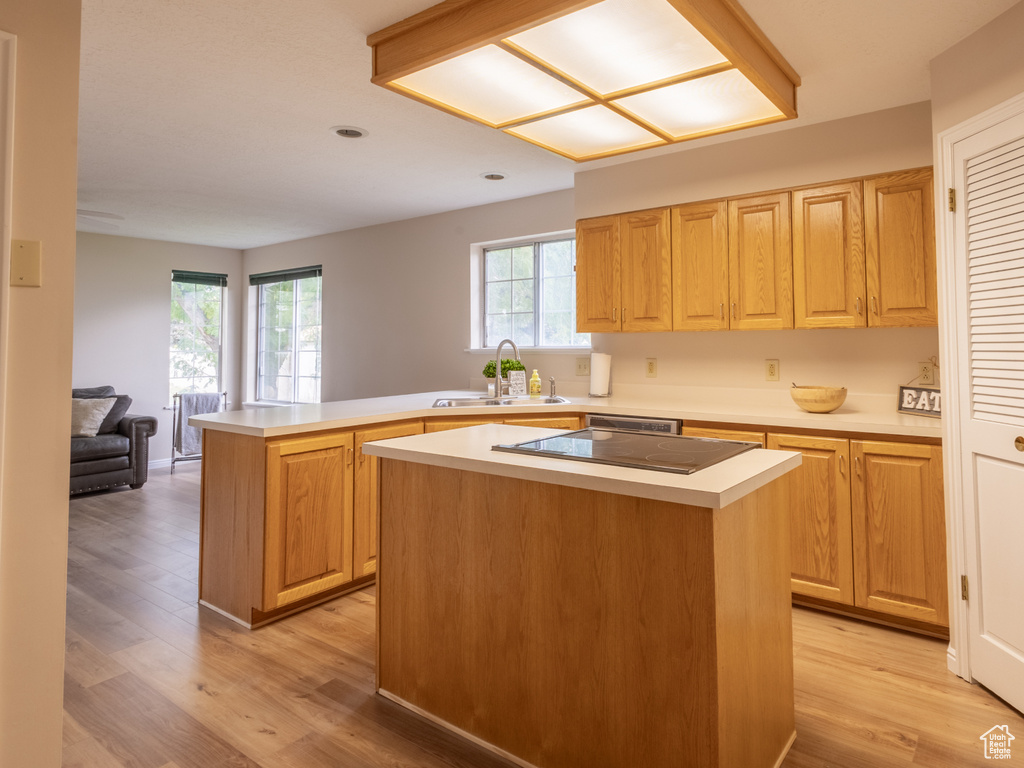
(454, 27)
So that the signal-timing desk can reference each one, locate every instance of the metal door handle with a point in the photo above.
(615, 313)
(874, 304)
(842, 465)
(734, 310)
(859, 311)
(721, 311)
(856, 464)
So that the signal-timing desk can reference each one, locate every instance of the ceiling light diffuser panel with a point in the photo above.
(589, 79)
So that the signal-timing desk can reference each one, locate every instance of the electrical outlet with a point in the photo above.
(582, 366)
(652, 367)
(771, 370)
(926, 373)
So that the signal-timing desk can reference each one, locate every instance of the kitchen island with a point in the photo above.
(572, 614)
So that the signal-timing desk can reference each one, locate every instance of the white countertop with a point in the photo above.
(771, 408)
(469, 449)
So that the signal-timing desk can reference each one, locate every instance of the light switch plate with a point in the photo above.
(26, 263)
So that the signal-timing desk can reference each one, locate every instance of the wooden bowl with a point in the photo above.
(818, 399)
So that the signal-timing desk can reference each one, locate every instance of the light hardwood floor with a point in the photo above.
(153, 681)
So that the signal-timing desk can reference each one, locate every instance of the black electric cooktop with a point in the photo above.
(664, 453)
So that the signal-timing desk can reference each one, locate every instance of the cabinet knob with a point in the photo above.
(1019, 443)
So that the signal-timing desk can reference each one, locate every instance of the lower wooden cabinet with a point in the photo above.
(724, 434)
(868, 525)
(308, 526)
(817, 495)
(899, 530)
(367, 494)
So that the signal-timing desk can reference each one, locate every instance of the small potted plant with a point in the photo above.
(507, 364)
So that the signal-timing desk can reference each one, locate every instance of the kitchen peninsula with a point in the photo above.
(290, 498)
(575, 614)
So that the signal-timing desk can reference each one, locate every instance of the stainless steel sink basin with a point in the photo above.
(476, 402)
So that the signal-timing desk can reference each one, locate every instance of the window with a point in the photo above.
(530, 295)
(196, 306)
(288, 335)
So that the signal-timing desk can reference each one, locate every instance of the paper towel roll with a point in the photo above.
(600, 374)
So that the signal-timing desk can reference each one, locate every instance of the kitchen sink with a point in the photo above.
(476, 402)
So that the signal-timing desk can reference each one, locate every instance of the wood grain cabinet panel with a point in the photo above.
(308, 533)
(568, 421)
(598, 281)
(899, 530)
(366, 494)
(646, 271)
(725, 434)
(817, 495)
(828, 257)
(760, 262)
(700, 266)
(899, 220)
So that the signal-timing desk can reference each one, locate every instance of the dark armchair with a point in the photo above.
(118, 454)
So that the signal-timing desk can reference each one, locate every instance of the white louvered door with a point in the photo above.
(989, 272)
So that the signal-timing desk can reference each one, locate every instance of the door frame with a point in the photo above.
(8, 59)
(958, 562)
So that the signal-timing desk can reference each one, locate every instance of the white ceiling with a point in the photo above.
(209, 122)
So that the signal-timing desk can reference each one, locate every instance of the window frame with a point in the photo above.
(537, 244)
(192, 278)
(262, 281)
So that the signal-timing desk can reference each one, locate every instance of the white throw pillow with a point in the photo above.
(87, 415)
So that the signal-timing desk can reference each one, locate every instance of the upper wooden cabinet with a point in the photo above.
(598, 284)
(700, 266)
(828, 257)
(851, 254)
(760, 263)
(899, 219)
(624, 273)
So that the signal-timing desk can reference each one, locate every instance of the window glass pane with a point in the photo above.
(556, 258)
(557, 330)
(522, 262)
(499, 264)
(522, 329)
(499, 298)
(558, 294)
(522, 296)
(288, 359)
(498, 327)
(195, 338)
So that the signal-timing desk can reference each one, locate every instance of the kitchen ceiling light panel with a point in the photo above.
(592, 131)
(492, 85)
(701, 105)
(620, 44)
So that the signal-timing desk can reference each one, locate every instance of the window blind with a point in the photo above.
(264, 278)
(198, 278)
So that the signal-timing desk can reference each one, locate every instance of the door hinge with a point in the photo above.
(963, 587)
(952, 207)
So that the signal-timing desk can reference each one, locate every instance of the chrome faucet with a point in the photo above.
(552, 380)
(498, 381)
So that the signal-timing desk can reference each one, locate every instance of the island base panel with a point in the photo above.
(571, 628)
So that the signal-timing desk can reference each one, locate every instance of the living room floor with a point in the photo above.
(154, 681)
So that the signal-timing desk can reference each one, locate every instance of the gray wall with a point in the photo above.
(123, 320)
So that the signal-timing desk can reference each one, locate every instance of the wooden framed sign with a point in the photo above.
(920, 401)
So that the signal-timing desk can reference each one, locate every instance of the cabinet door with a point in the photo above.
(724, 434)
(646, 247)
(828, 257)
(760, 263)
(598, 275)
(551, 422)
(700, 267)
(308, 537)
(817, 495)
(899, 530)
(366, 499)
(899, 225)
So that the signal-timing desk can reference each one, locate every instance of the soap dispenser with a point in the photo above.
(535, 384)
